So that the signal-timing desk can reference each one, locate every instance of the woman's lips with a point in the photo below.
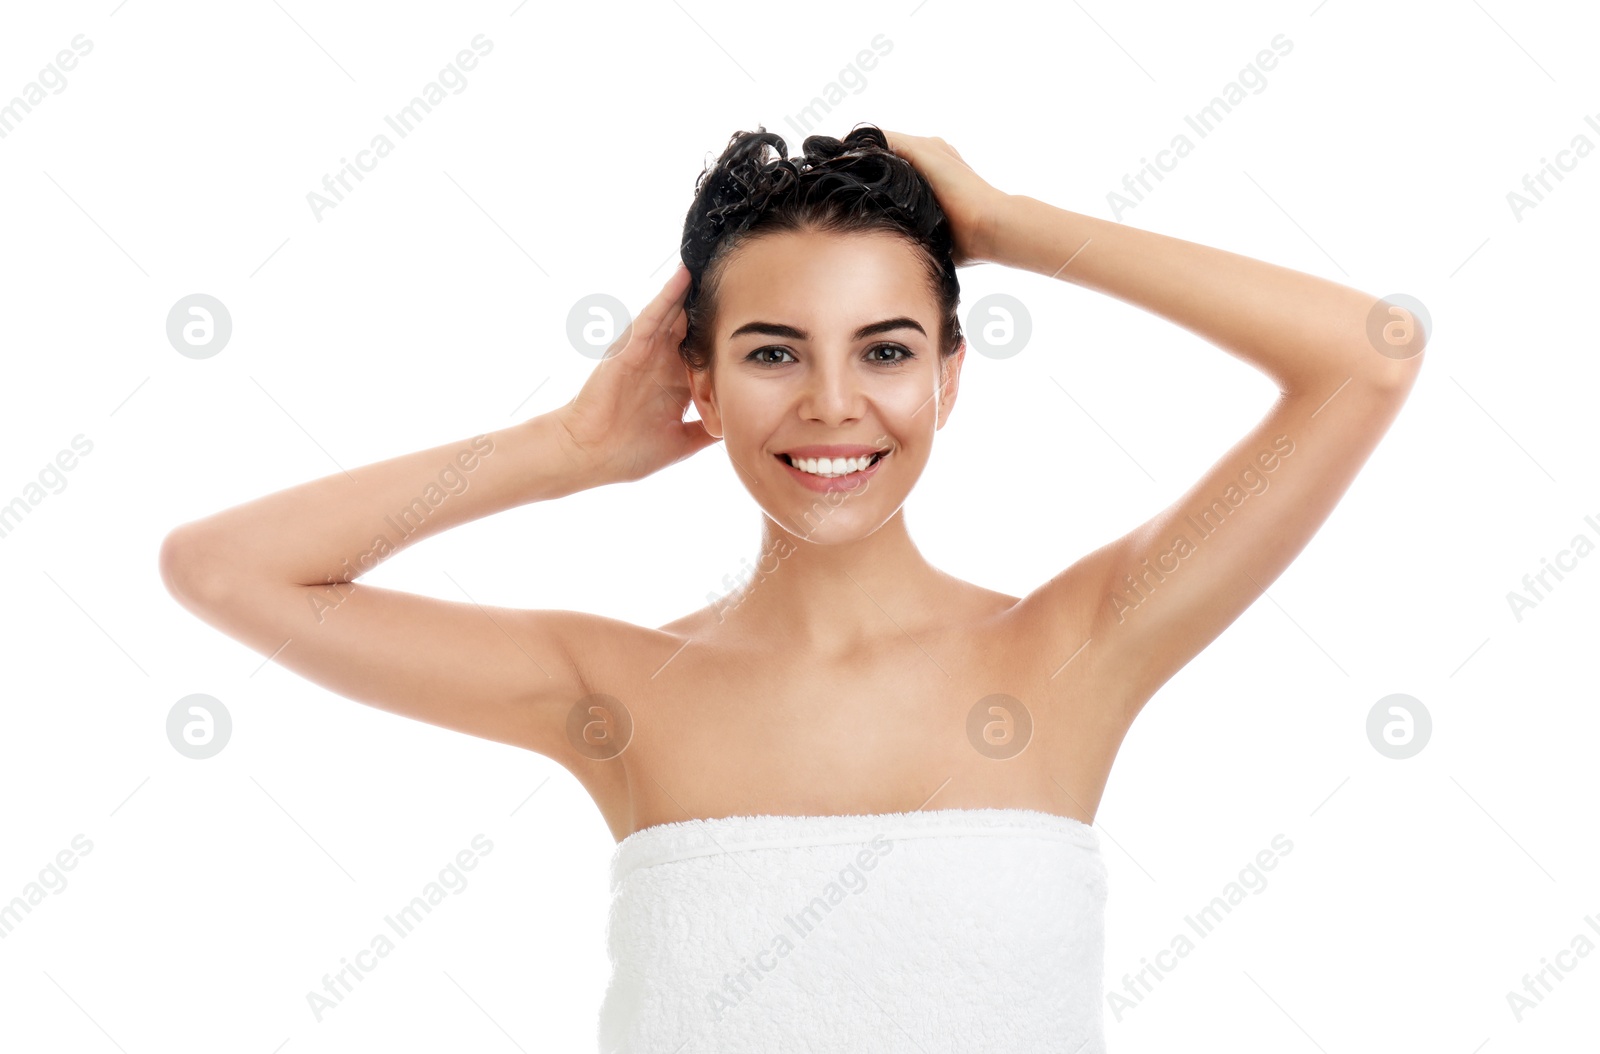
(822, 484)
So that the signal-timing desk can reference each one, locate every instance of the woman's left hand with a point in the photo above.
(972, 205)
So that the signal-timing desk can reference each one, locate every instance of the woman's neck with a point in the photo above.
(828, 597)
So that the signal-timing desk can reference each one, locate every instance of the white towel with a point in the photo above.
(935, 931)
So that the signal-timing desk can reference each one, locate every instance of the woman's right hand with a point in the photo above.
(627, 420)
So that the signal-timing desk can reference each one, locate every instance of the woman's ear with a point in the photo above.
(703, 392)
(950, 382)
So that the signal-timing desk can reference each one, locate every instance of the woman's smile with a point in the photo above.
(824, 474)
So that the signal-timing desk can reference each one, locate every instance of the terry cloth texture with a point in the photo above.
(934, 931)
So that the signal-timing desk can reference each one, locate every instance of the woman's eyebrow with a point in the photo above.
(778, 329)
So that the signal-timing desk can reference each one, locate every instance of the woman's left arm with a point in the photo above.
(1148, 602)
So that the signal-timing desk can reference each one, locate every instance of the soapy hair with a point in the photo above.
(845, 186)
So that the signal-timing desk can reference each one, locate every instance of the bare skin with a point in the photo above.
(844, 677)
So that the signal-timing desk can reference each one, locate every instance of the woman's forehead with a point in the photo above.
(826, 281)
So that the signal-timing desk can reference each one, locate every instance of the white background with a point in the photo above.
(431, 305)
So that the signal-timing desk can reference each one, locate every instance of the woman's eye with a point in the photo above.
(757, 356)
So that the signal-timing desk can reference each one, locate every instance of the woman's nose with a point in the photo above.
(833, 392)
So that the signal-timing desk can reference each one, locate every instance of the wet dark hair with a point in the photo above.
(846, 186)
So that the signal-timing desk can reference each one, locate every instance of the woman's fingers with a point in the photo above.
(653, 320)
(674, 323)
(658, 311)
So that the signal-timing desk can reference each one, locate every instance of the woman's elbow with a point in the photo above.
(190, 566)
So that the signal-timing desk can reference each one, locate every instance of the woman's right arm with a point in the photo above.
(276, 574)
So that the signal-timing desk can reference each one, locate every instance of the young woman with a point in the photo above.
(853, 797)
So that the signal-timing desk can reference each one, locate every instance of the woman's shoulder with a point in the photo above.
(980, 600)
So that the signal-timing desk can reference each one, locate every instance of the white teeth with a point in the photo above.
(831, 467)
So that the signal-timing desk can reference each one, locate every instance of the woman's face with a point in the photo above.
(827, 340)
